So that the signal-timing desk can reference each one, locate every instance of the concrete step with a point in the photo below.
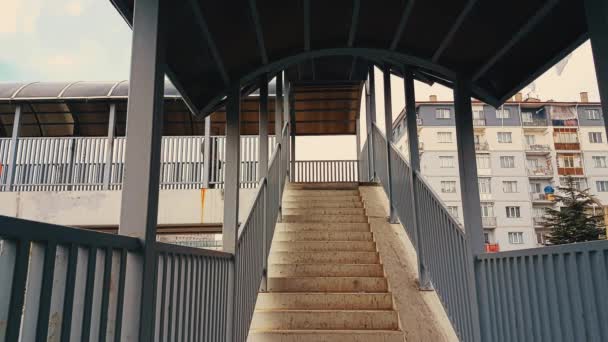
(325, 270)
(325, 218)
(322, 226)
(323, 246)
(325, 319)
(322, 193)
(327, 284)
(324, 301)
(326, 336)
(324, 211)
(323, 186)
(289, 198)
(321, 204)
(323, 236)
(329, 257)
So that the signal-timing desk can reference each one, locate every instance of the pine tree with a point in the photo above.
(573, 222)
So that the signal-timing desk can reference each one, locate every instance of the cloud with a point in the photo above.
(73, 8)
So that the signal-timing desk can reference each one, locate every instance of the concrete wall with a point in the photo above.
(583, 120)
(102, 208)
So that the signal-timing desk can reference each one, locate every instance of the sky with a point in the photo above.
(75, 40)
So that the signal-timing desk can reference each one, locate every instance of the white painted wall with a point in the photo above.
(102, 208)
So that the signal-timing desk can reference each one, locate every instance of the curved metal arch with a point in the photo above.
(392, 58)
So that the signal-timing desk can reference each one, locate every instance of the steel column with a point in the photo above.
(232, 170)
(358, 145)
(424, 281)
(388, 127)
(13, 149)
(597, 25)
(469, 190)
(207, 152)
(369, 125)
(263, 165)
(139, 205)
(372, 113)
(278, 129)
(292, 130)
(109, 148)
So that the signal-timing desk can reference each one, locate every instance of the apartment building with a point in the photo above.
(524, 149)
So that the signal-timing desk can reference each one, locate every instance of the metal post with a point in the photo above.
(139, 205)
(358, 145)
(372, 113)
(597, 25)
(292, 131)
(207, 152)
(232, 170)
(12, 166)
(388, 126)
(109, 147)
(263, 167)
(469, 190)
(278, 132)
(368, 124)
(424, 281)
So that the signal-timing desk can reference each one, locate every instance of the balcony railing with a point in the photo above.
(479, 122)
(538, 148)
(492, 248)
(570, 171)
(538, 221)
(539, 196)
(540, 171)
(535, 123)
(482, 146)
(567, 146)
(488, 221)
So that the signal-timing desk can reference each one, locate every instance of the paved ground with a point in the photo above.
(422, 315)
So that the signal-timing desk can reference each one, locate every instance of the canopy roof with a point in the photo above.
(501, 45)
(82, 109)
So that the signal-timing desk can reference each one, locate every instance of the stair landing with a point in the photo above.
(326, 281)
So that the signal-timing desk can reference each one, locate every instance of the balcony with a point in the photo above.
(565, 123)
(567, 146)
(479, 122)
(492, 248)
(540, 171)
(570, 171)
(538, 221)
(538, 149)
(539, 197)
(488, 221)
(535, 123)
(482, 146)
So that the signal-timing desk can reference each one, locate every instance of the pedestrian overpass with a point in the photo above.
(216, 53)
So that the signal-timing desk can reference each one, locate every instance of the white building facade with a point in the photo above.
(524, 149)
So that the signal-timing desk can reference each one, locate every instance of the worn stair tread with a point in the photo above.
(323, 236)
(325, 218)
(325, 301)
(324, 211)
(323, 226)
(321, 204)
(324, 246)
(325, 270)
(327, 284)
(325, 319)
(325, 257)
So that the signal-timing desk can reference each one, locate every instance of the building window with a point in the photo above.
(535, 188)
(513, 212)
(530, 140)
(599, 162)
(509, 186)
(507, 162)
(516, 238)
(595, 137)
(446, 162)
(453, 210)
(504, 113)
(487, 210)
(577, 183)
(526, 117)
(568, 161)
(592, 114)
(486, 237)
(504, 137)
(444, 137)
(483, 161)
(442, 113)
(566, 137)
(602, 186)
(448, 186)
(485, 185)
